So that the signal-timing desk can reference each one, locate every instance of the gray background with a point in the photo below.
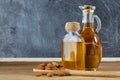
(35, 28)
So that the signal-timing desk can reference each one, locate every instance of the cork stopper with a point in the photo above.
(72, 26)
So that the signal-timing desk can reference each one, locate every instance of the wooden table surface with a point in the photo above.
(23, 71)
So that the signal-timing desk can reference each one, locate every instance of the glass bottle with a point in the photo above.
(73, 48)
(90, 35)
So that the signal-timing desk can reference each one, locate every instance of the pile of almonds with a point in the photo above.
(50, 66)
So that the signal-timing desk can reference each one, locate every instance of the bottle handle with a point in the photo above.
(98, 23)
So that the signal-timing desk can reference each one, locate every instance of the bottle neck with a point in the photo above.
(87, 20)
(88, 25)
(73, 33)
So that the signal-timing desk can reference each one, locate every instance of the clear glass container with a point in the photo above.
(73, 48)
(90, 35)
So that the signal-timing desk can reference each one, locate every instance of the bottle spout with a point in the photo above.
(86, 7)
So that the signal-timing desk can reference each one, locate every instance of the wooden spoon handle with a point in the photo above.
(95, 73)
(82, 73)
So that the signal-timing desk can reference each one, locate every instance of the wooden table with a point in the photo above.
(23, 71)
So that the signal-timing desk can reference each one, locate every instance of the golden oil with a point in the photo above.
(73, 55)
(93, 47)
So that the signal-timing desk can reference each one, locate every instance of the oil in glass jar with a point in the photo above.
(73, 48)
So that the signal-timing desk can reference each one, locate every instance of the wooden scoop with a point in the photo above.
(81, 73)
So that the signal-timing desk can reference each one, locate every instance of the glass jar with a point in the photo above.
(73, 48)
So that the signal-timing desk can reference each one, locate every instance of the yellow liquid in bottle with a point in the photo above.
(73, 55)
(93, 47)
(93, 56)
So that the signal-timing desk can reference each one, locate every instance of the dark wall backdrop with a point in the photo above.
(35, 28)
